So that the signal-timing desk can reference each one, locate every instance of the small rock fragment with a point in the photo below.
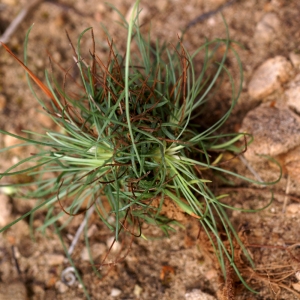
(115, 292)
(293, 209)
(96, 250)
(85, 254)
(269, 77)
(275, 131)
(55, 259)
(295, 59)
(26, 246)
(5, 210)
(211, 274)
(293, 94)
(198, 295)
(61, 287)
(116, 246)
(137, 291)
(296, 286)
(267, 28)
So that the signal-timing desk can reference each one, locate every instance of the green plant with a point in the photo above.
(130, 140)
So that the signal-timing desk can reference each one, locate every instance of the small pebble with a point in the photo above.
(111, 220)
(295, 59)
(85, 254)
(55, 259)
(137, 290)
(293, 209)
(267, 28)
(115, 292)
(211, 274)
(198, 295)
(296, 286)
(116, 247)
(61, 287)
(269, 77)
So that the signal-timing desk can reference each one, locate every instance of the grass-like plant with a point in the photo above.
(129, 139)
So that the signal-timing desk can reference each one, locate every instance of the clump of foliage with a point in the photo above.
(130, 140)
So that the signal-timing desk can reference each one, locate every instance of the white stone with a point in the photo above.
(198, 295)
(293, 94)
(5, 210)
(61, 287)
(85, 254)
(116, 247)
(269, 77)
(275, 131)
(267, 28)
(115, 292)
(137, 290)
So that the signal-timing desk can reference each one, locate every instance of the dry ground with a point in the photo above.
(159, 268)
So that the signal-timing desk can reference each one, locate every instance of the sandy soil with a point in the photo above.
(159, 268)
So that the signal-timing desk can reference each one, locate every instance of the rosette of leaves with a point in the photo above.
(130, 139)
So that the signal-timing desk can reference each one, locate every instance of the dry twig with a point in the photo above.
(18, 20)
